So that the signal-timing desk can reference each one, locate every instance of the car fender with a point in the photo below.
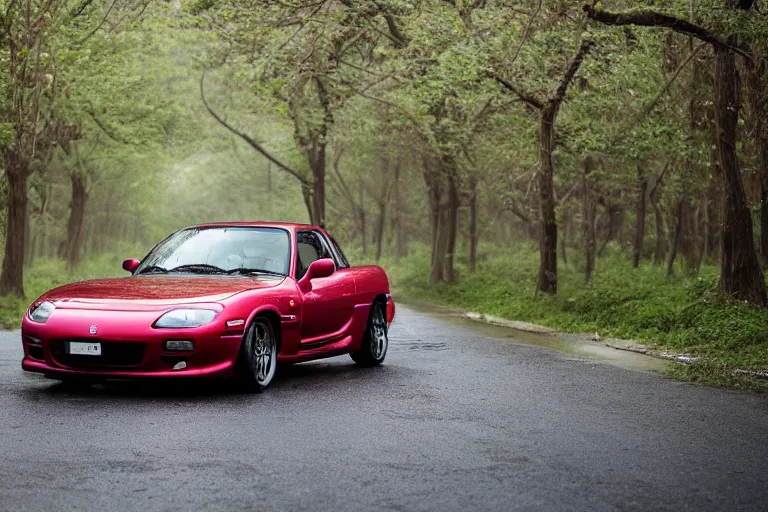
(370, 281)
(261, 309)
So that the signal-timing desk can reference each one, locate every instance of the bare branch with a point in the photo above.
(400, 39)
(512, 206)
(569, 193)
(108, 132)
(529, 99)
(636, 120)
(584, 48)
(649, 18)
(365, 70)
(255, 145)
(402, 109)
(526, 32)
(298, 6)
(318, 6)
(96, 29)
(343, 184)
(648, 108)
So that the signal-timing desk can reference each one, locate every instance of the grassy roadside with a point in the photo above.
(44, 275)
(684, 315)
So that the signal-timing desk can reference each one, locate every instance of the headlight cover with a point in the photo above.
(184, 318)
(41, 312)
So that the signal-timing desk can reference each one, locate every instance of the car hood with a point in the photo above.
(139, 292)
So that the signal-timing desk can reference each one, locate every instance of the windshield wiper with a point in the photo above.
(199, 268)
(152, 269)
(254, 271)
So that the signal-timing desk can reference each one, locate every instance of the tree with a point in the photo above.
(740, 273)
(26, 28)
(548, 110)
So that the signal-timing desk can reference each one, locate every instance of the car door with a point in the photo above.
(329, 305)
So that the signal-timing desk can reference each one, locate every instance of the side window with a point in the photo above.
(341, 260)
(310, 248)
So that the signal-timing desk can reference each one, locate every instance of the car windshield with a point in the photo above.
(221, 250)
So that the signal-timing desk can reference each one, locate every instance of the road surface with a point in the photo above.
(455, 420)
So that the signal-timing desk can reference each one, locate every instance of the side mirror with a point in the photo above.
(323, 267)
(130, 264)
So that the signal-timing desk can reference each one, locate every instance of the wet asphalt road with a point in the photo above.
(454, 420)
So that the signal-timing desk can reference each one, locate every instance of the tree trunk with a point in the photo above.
(764, 220)
(676, 236)
(689, 239)
(401, 242)
(451, 227)
(439, 246)
(12, 276)
(441, 183)
(615, 217)
(434, 193)
(660, 248)
(740, 273)
(74, 243)
(547, 281)
(306, 194)
(27, 240)
(715, 197)
(87, 239)
(563, 239)
(314, 194)
(472, 223)
(380, 222)
(755, 91)
(361, 220)
(642, 188)
(318, 188)
(590, 211)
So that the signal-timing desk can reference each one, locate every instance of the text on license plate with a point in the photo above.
(77, 348)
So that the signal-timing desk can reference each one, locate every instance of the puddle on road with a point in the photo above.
(413, 344)
(579, 349)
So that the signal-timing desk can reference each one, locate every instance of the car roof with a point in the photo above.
(258, 224)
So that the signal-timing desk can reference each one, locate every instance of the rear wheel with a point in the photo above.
(375, 341)
(258, 356)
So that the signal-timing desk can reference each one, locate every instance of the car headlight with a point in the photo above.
(178, 318)
(41, 312)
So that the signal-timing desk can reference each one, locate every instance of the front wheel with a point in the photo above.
(258, 355)
(375, 340)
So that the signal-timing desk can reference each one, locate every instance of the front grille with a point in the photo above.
(113, 354)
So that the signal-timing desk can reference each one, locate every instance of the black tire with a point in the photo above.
(257, 361)
(373, 350)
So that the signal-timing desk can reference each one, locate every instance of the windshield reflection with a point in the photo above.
(211, 250)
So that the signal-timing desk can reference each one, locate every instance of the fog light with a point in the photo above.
(31, 340)
(179, 346)
(181, 365)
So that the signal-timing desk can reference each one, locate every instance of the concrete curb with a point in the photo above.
(752, 373)
(627, 345)
(512, 324)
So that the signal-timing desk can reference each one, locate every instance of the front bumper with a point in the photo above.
(131, 348)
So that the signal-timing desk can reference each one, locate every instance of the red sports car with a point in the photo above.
(214, 300)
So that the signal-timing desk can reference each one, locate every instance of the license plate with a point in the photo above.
(84, 349)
